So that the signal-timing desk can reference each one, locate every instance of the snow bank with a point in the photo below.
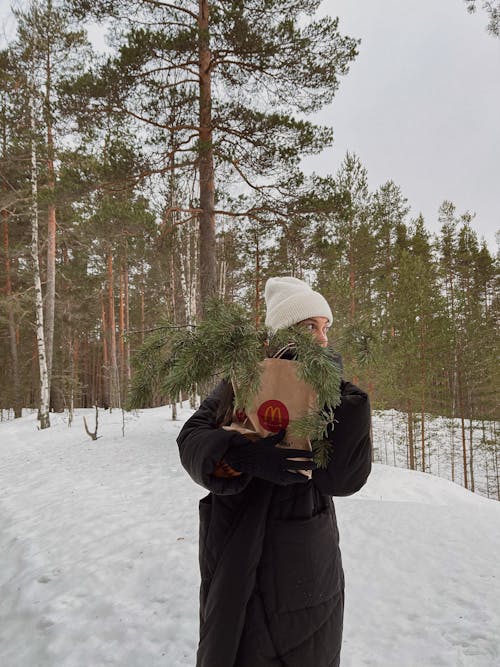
(99, 555)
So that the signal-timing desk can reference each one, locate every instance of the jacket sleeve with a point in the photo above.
(202, 445)
(350, 439)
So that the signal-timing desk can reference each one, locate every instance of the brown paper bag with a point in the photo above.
(282, 398)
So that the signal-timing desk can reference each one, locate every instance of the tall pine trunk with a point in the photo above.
(257, 281)
(411, 442)
(105, 355)
(11, 319)
(462, 419)
(497, 468)
(471, 453)
(422, 388)
(128, 374)
(50, 296)
(121, 327)
(458, 370)
(352, 280)
(143, 310)
(40, 334)
(114, 380)
(208, 277)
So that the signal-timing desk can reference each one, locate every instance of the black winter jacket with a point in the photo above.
(272, 584)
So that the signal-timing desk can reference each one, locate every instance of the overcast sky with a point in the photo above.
(421, 105)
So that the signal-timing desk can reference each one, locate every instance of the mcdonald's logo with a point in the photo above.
(273, 415)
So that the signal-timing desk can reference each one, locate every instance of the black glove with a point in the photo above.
(261, 458)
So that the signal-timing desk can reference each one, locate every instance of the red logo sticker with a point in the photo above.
(273, 416)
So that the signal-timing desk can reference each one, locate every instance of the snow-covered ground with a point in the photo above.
(98, 544)
(443, 448)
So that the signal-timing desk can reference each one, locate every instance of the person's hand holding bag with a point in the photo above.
(261, 458)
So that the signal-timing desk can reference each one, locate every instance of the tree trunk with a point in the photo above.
(497, 469)
(462, 422)
(50, 296)
(188, 275)
(114, 383)
(471, 455)
(194, 272)
(208, 276)
(422, 388)
(452, 437)
(11, 320)
(40, 334)
(352, 281)
(121, 326)
(257, 282)
(411, 443)
(128, 375)
(87, 383)
(75, 373)
(388, 273)
(422, 434)
(458, 376)
(222, 270)
(105, 356)
(143, 317)
(71, 397)
(173, 303)
(487, 475)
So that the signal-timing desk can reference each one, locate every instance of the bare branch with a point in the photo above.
(92, 435)
(168, 5)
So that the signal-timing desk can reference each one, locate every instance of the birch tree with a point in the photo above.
(40, 332)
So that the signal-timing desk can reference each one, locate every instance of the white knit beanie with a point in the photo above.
(290, 300)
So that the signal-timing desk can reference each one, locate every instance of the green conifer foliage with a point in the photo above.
(226, 344)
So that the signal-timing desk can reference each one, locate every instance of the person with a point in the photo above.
(272, 583)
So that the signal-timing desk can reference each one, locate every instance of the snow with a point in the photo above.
(443, 447)
(99, 554)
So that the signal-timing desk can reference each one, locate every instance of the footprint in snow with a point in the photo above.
(44, 624)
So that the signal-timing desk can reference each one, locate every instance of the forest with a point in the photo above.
(139, 183)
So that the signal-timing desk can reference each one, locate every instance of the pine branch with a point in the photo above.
(322, 452)
(150, 364)
(317, 365)
(314, 425)
(225, 343)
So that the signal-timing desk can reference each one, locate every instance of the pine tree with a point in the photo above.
(46, 49)
(346, 249)
(492, 8)
(10, 155)
(388, 211)
(409, 354)
(251, 71)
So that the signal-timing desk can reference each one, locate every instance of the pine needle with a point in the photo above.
(227, 344)
(322, 450)
(317, 365)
